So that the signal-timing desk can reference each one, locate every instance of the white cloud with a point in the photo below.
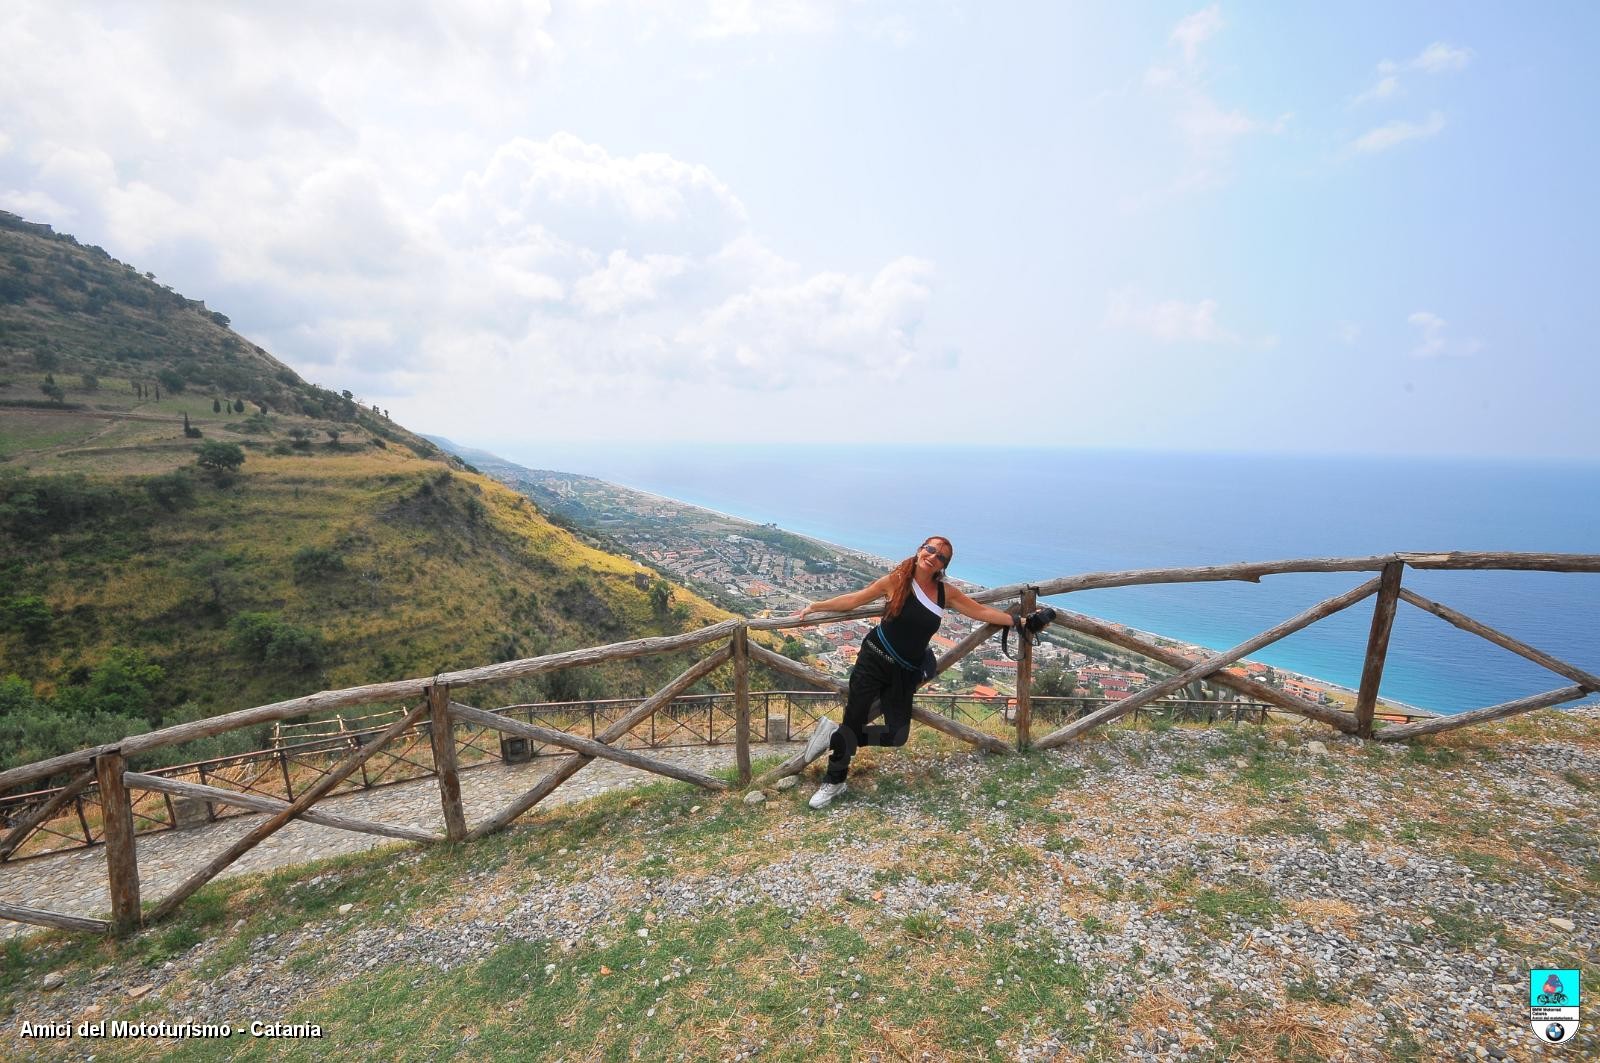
(1432, 341)
(626, 282)
(1194, 30)
(745, 18)
(1208, 130)
(1398, 132)
(1436, 58)
(341, 186)
(1168, 320)
(827, 327)
(1439, 57)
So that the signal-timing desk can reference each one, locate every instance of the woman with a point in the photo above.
(889, 667)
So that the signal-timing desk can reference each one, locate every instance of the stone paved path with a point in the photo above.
(74, 882)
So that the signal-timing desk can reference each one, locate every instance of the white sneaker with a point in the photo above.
(826, 793)
(821, 735)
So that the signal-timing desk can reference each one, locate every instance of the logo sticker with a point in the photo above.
(1553, 998)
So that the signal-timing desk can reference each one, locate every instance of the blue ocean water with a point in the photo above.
(1034, 514)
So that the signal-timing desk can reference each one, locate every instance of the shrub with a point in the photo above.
(272, 640)
(316, 562)
(28, 615)
(171, 491)
(171, 379)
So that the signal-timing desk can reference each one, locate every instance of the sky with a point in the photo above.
(1269, 228)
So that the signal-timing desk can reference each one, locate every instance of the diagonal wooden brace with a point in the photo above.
(569, 767)
(587, 746)
(1208, 666)
(301, 803)
(255, 803)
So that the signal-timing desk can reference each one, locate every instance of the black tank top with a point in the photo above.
(909, 633)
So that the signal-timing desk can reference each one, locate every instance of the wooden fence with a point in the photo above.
(438, 707)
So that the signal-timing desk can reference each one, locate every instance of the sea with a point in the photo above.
(1032, 514)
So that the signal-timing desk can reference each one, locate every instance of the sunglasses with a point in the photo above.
(929, 548)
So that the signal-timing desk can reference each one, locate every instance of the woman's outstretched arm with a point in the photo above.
(845, 602)
(967, 607)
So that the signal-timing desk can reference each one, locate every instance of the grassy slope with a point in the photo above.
(436, 567)
(961, 906)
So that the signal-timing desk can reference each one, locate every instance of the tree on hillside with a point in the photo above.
(238, 406)
(220, 459)
(660, 598)
(1054, 681)
(975, 671)
(216, 405)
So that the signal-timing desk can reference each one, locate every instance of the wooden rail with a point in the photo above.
(437, 711)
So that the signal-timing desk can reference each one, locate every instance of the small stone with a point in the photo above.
(788, 782)
(1317, 747)
(138, 991)
(1563, 924)
(696, 808)
(642, 932)
(92, 1012)
(53, 980)
(754, 797)
(344, 909)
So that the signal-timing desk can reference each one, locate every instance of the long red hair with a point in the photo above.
(900, 578)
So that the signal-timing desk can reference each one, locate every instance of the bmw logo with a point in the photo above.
(1554, 1032)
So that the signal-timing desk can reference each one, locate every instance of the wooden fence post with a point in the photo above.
(122, 865)
(1025, 674)
(442, 735)
(741, 702)
(1377, 646)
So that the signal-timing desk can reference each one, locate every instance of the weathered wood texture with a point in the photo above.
(257, 803)
(1250, 572)
(317, 791)
(1208, 666)
(122, 864)
(1486, 715)
(741, 704)
(1249, 687)
(44, 813)
(21, 913)
(1516, 646)
(1520, 562)
(401, 690)
(779, 663)
(569, 767)
(442, 737)
(587, 746)
(1030, 601)
(1377, 646)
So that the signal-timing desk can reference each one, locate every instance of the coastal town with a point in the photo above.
(762, 570)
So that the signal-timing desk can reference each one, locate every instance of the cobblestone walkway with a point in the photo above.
(74, 882)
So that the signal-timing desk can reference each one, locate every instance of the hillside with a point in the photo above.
(1232, 893)
(139, 589)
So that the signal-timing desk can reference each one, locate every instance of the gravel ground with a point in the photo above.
(1372, 941)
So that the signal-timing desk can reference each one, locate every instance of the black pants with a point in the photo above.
(878, 686)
